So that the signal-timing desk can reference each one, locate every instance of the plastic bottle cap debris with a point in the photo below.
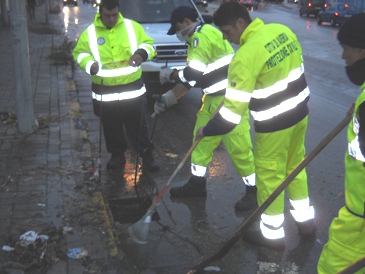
(28, 238)
(8, 248)
(77, 253)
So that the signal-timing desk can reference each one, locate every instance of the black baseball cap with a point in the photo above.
(178, 15)
(352, 32)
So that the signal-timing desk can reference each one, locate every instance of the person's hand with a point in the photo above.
(135, 60)
(165, 75)
(94, 69)
(165, 101)
(199, 133)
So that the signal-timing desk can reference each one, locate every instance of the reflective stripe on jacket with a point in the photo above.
(266, 76)
(354, 164)
(111, 49)
(208, 59)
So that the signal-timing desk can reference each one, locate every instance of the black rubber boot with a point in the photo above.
(256, 238)
(195, 187)
(249, 200)
(116, 161)
(307, 228)
(148, 161)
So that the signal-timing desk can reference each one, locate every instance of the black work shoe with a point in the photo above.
(307, 228)
(256, 238)
(148, 161)
(249, 200)
(195, 187)
(116, 161)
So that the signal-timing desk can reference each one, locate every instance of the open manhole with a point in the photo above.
(130, 210)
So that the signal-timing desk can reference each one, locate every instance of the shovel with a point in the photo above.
(256, 214)
(139, 231)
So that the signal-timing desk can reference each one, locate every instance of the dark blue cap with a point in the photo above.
(178, 15)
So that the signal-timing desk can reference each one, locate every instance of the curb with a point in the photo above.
(97, 198)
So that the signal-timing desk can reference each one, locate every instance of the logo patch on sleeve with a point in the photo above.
(233, 84)
(195, 42)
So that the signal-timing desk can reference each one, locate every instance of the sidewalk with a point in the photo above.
(43, 175)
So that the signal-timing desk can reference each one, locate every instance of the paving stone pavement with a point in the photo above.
(45, 180)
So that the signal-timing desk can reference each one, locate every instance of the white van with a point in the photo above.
(154, 16)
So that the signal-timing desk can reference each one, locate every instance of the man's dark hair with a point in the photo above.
(228, 13)
(108, 4)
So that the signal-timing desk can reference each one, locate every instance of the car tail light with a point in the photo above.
(325, 5)
(249, 2)
(309, 4)
(346, 5)
(337, 14)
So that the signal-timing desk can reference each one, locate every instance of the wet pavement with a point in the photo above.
(46, 186)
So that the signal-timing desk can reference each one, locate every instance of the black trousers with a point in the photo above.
(125, 122)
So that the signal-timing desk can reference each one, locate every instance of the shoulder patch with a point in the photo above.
(101, 41)
(195, 42)
(233, 84)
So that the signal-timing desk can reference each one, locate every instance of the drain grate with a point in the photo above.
(130, 210)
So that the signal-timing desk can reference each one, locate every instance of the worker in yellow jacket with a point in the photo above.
(208, 59)
(346, 241)
(112, 49)
(266, 77)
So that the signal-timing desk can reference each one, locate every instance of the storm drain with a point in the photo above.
(130, 210)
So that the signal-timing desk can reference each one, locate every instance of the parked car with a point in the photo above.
(203, 3)
(336, 14)
(69, 2)
(95, 3)
(250, 4)
(311, 7)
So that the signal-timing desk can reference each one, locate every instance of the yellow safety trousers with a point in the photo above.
(345, 244)
(237, 142)
(276, 156)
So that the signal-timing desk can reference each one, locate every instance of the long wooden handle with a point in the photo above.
(359, 264)
(256, 214)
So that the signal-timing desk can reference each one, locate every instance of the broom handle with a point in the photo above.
(359, 264)
(224, 250)
(176, 171)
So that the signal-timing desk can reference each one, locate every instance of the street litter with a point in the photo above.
(43, 237)
(8, 180)
(28, 238)
(8, 248)
(67, 229)
(212, 268)
(171, 155)
(77, 253)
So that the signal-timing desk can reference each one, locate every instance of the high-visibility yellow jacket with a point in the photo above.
(266, 76)
(355, 161)
(208, 60)
(112, 48)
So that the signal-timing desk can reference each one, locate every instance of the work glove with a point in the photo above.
(165, 74)
(167, 100)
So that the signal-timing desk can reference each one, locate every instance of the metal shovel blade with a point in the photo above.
(139, 231)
